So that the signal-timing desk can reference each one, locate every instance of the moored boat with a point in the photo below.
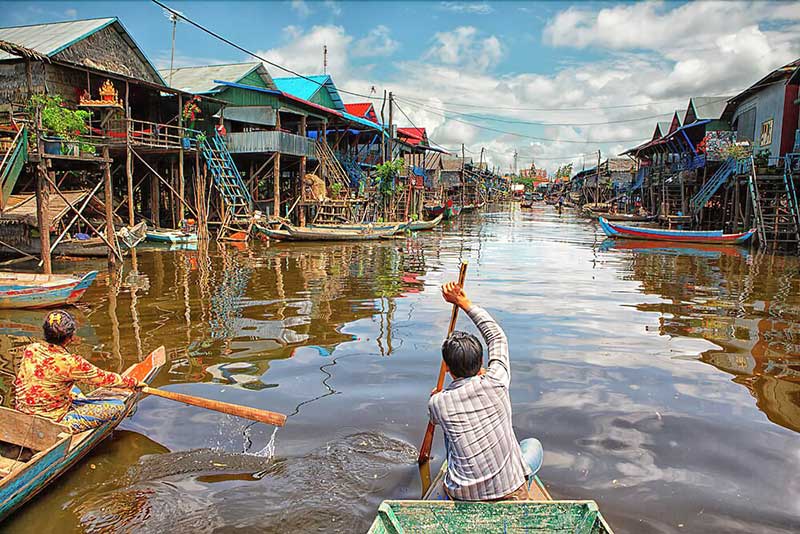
(169, 235)
(684, 236)
(620, 217)
(436, 513)
(28, 290)
(415, 226)
(396, 226)
(449, 211)
(297, 233)
(43, 450)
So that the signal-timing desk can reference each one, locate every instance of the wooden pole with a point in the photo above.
(276, 174)
(155, 200)
(43, 199)
(390, 154)
(181, 180)
(109, 197)
(43, 215)
(425, 449)
(254, 414)
(301, 215)
(128, 160)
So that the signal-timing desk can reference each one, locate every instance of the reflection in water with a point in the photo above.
(664, 383)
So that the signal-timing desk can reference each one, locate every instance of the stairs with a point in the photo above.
(671, 196)
(330, 167)
(711, 186)
(775, 208)
(15, 156)
(229, 183)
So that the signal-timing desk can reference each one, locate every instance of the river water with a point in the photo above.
(663, 383)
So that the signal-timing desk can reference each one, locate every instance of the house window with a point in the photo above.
(766, 133)
(746, 125)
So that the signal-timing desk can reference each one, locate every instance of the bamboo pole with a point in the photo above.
(109, 197)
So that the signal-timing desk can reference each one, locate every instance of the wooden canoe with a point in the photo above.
(450, 212)
(679, 236)
(540, 514)
(298, 233)
(396, 226)
(48, 448)
(416, 226)
(620, 217)
(27, 290)
(168, 235)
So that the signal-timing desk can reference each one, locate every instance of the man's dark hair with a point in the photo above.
(58, 327)
(463, 354)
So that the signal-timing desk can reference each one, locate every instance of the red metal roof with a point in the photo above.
(414, 136)
(362, 109)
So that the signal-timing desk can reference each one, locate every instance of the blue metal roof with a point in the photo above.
(307, 87)
(363, 122)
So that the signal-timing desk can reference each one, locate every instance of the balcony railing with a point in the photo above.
(270, 141)
(141, 134)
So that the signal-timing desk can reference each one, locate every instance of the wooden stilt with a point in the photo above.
(109, 197)
(43, 215)
(181, 180)
(155, 200)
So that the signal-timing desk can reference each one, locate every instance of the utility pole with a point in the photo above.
(174, 19)
(463, 161)
(597, 181)
(514, 166)
(383, 125)
(324, 59)
(391, 126)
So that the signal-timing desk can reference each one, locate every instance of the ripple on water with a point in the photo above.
(330, 489)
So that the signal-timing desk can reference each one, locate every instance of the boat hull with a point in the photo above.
(416, 226)
(21, 485)
(171, 236)
(676, 236)
(57, 291)
(293, 233)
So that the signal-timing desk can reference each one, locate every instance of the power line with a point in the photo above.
(249, 52)
(415, 126)
(594, 108)
(540, 123)
(535, 138)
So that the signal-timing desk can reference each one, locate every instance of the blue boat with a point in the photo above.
(28, 290)
(713, 237)
(171, 236)
(43, 450)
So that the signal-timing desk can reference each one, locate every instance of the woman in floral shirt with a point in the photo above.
(47, 375)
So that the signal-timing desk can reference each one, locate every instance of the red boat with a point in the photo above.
(680, 236)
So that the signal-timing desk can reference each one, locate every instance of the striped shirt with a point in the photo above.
(483, 455)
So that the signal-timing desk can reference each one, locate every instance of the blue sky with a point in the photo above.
(518, 70)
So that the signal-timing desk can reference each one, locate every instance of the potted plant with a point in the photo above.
(761, 160)
(63, 125)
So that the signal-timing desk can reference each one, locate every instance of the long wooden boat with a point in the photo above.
(42, 450)
(682, 236)
(396, 226)
(295, 233)
(94, 247)
(436, 513)
(449, 212)
(620, 217)
(27, 290)
(416, 226)
(169, 235)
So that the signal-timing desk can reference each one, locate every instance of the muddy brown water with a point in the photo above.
(664, 383)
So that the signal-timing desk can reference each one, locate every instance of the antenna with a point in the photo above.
(173, 18)
(324, 59)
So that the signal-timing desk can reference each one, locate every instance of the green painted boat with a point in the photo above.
(436, 513)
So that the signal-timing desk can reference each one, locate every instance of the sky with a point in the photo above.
(553, 81)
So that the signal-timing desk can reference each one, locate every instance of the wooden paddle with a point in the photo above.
(254, 414)
(425, 450)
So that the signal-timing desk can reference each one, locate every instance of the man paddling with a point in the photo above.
(484, 460)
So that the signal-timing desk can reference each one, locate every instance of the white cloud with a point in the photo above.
(466, 48)
(378, 42)
(656, 72)
(302, 51)
(475, 8)
(301, 7)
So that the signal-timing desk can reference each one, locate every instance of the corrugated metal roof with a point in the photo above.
(362, 109)
(709, 107)
(201, 80)
(264, 115)
(308, 86)
(49, 39)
